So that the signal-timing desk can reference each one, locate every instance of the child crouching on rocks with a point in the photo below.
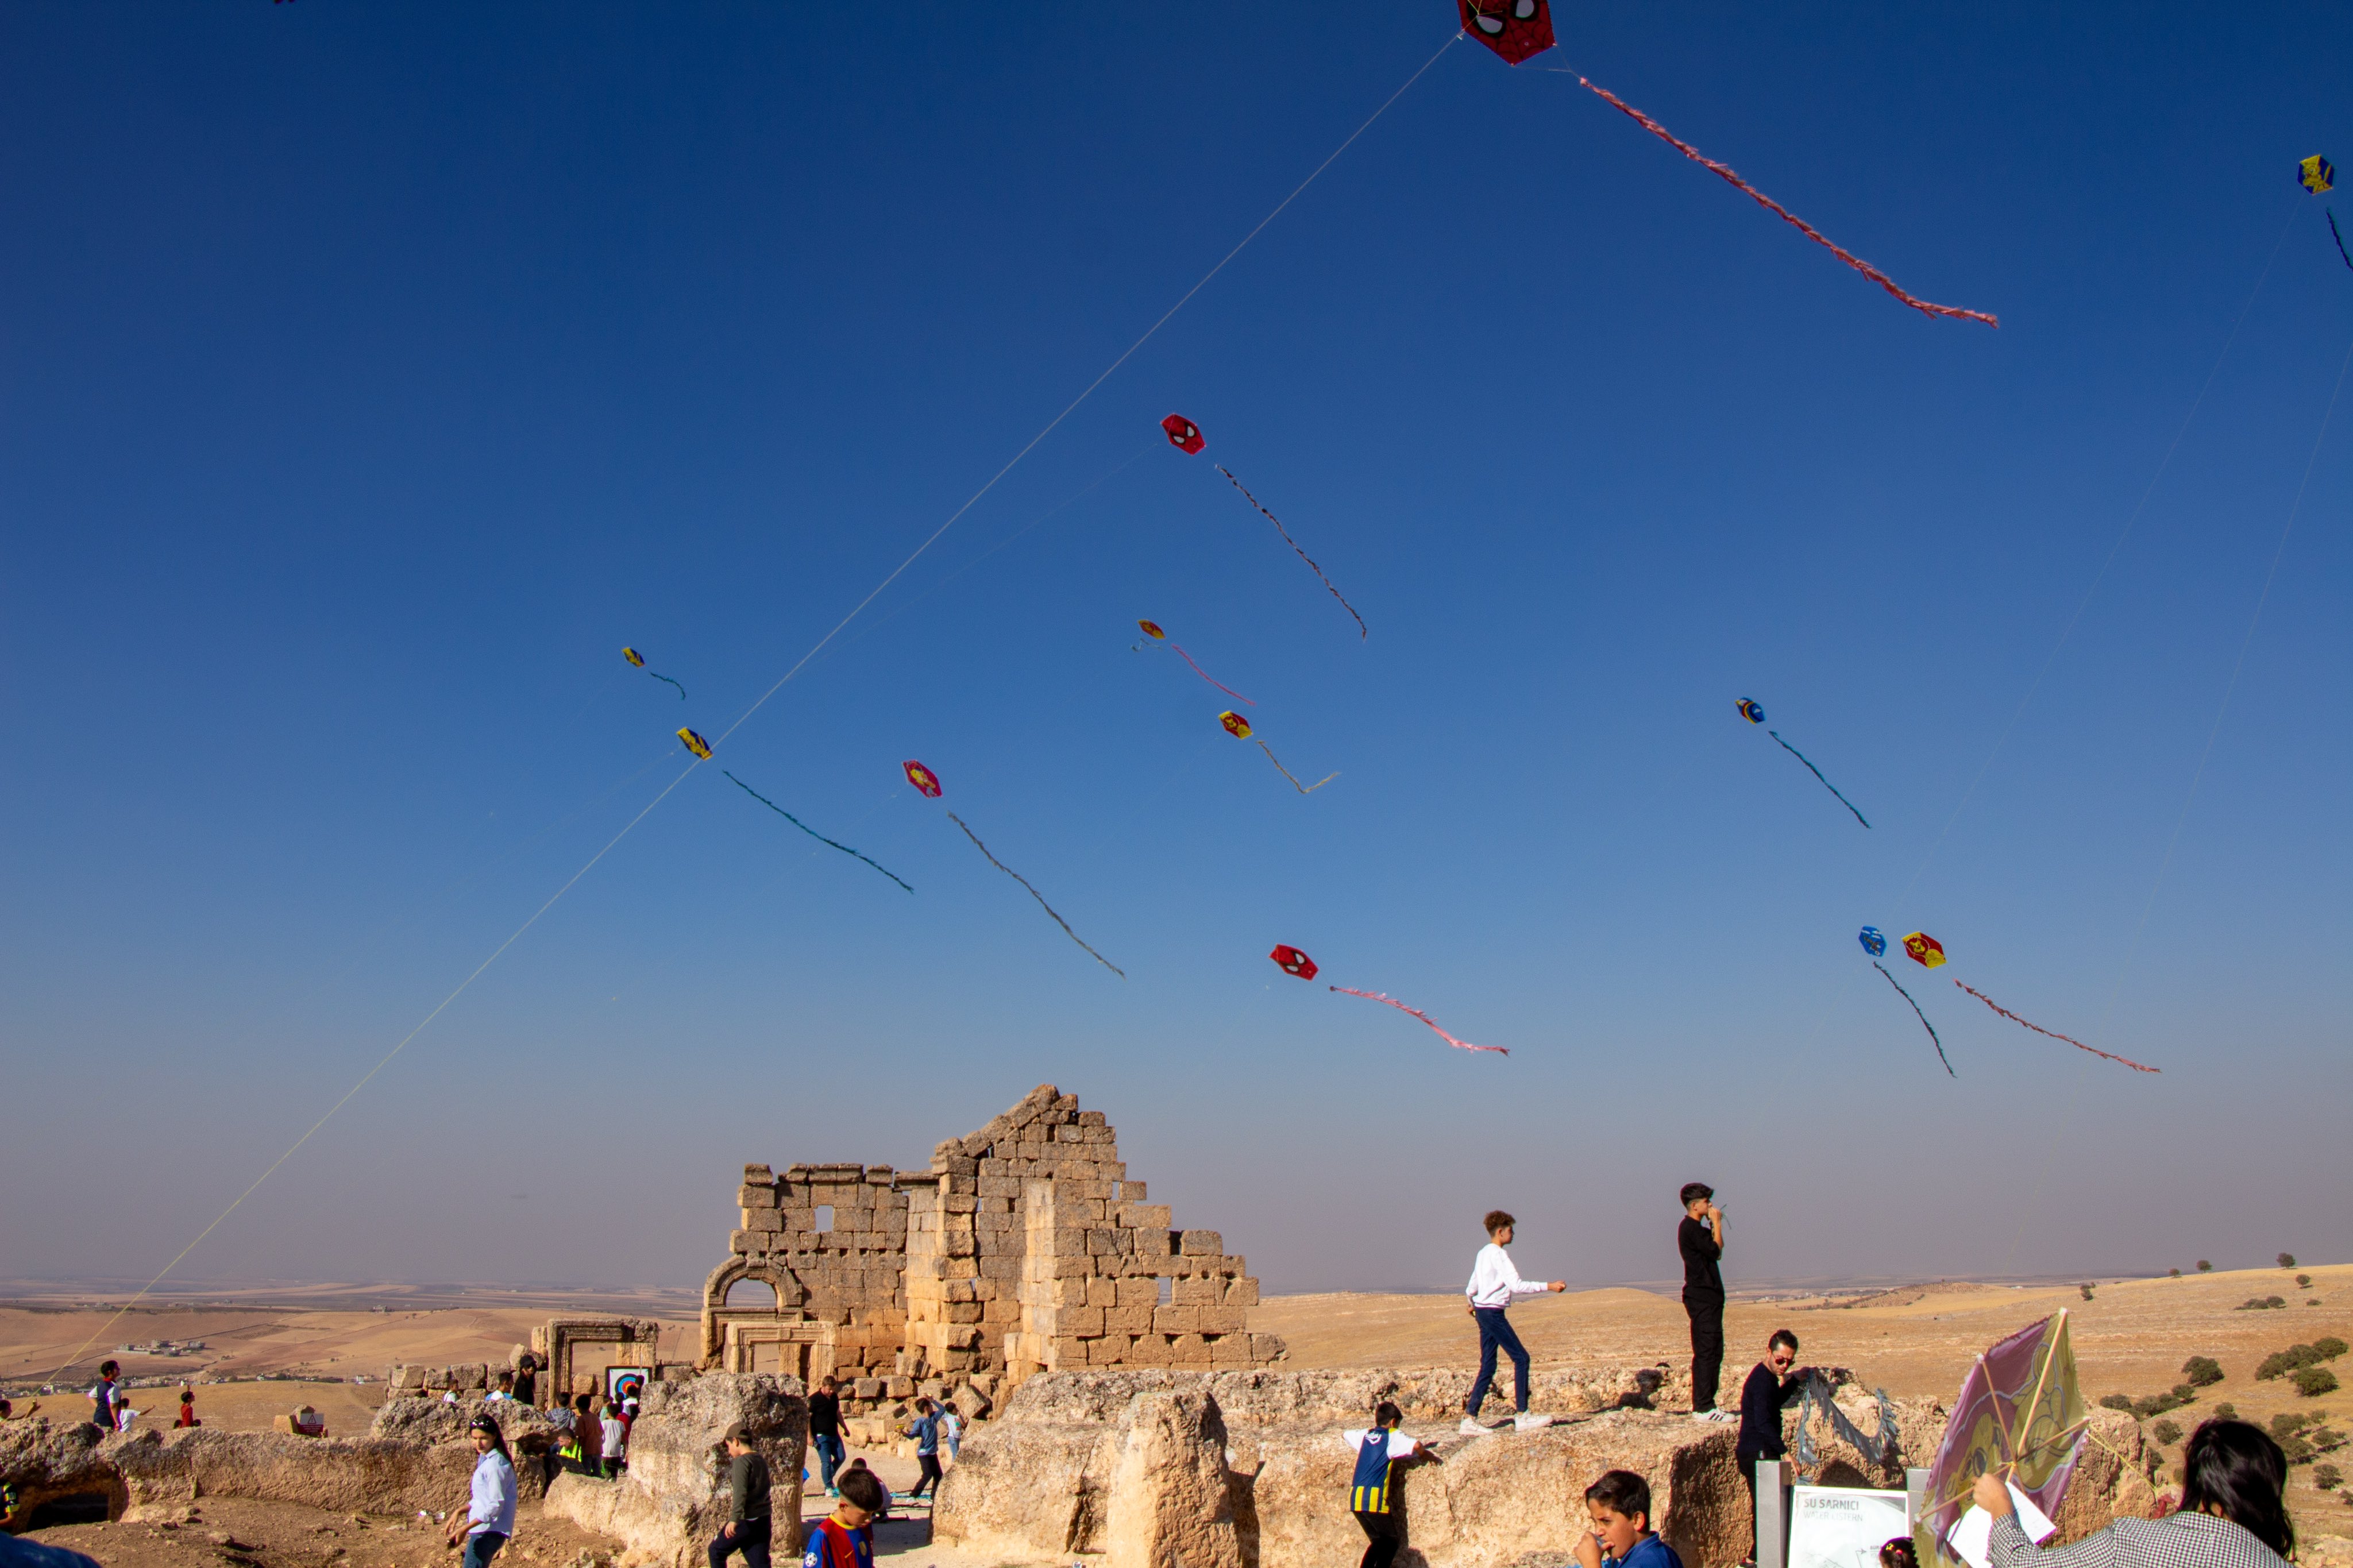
(1618, 1502)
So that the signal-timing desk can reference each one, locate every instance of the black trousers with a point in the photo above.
(751, 1539)
(1385, 1539)
(1705, 1309)
(931, 1476)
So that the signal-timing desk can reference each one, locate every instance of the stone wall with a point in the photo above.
(1025, 1248)
(1111, 1462)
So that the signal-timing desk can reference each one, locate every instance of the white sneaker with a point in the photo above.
(1524, 1422)
(1471, 1429)
(1711, 1416)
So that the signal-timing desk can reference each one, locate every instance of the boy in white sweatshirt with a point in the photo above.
(1493, 1283)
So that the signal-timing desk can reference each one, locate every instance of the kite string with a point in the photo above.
(2051, 1033)
(1125, 355)
(1393, 1002)
(1919, 1014)
(805, 828)
(1818, 774)
(1034, 893)
(813, 652)
(369, 1076)
(1731, 177)
(2337, 237)
(1362, 630)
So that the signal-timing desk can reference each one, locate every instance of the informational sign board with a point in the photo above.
(1843, 1527)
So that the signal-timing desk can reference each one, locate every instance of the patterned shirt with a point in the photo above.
(2177, 1541)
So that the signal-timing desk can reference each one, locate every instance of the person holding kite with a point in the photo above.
(2232, 1515)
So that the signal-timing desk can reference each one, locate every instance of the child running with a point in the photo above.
(1618, 1503)
(1493, 1283)
(1381, 1450)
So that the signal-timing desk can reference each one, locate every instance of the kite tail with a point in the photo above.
(1818, 774)
(1362, 630)
(1731, 176)
(2039, 1029)
(1393, 1002)
(681, 691)
(1219, 684)
(1304, 789)
(2337, 237)
(803, 826)
(1034, 893)
(1919, 1014)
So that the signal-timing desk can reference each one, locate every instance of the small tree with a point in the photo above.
(2226, 1411)
(2328, 1478)
(2167, 1431)
(2116, 1402)
(2173, 1274)
(2287, 1260)
(2304, 1281)
(2201, 1370)
(2312, 1382)
(2328, 1347)
(2204, 1267)
(2086, 1290)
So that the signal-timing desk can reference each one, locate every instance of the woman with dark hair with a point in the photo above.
(2230, 1516)
(489, 1513)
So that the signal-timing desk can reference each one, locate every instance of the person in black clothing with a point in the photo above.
(824, 1431)
(1771, 1386)
(526, 1380)
(746, 1529)
(1700, 1238)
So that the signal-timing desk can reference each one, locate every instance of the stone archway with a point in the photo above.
(791, 1306)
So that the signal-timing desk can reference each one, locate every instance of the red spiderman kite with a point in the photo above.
(1182, 434)
(1515, 29)
(923, 779)
(1293, 962)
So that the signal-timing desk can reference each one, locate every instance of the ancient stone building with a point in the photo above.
(1025, 1248)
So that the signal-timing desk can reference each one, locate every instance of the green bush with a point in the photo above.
(2173, 1273)
(2286, 1422)
(2184, 1394)
(2274, 1301)
(2328, 1347)
(2202, 1371)
(2312, 1382)
(2167, 1431)
(2204, 1267)
(2259, 1304)
(2328, 1478)
(2287, 1260)
(2086, 1290)
(2304, 1281)
(2279, 1363)
(2226, 1411)
(2116, 1402)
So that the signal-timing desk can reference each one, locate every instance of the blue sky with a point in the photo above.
(372, 376)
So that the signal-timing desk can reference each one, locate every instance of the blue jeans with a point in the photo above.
(829, 1457)
(481, 1547)
(1494, 1331)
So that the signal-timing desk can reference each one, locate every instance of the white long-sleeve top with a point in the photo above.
(490, 1501)
(1493, 1281)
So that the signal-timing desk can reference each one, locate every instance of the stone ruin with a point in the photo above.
(1026, 1248)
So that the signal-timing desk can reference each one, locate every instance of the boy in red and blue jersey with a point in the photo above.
(847, 1540)
(1381, 1449)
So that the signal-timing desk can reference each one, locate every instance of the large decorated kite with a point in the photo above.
(1152, 629)
(927, 783)
(1292, 961)
(1750, 710)
(1516, 30)
(2020, 1413)
(1239, 727)
(1185, 437)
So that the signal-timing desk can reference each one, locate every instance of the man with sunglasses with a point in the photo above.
(1773, 1383)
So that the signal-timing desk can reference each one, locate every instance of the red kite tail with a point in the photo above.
(1731, 176)
(2039, 1029)
(1393, 1002)
(1212, 681)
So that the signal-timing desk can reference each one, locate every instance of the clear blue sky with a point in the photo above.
(372, 375)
